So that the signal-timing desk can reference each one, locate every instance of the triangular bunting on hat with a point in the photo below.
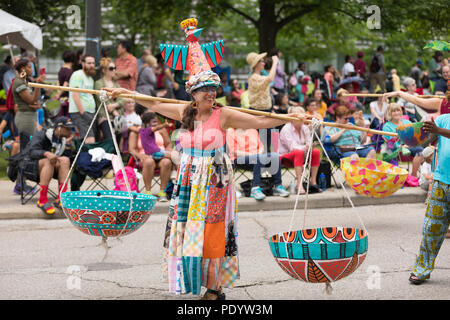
(184, 53)
(208, 51)
(174, 55)
(169, 57)
(193, 57)
(219, 48)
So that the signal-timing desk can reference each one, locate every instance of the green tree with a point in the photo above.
(51, 17)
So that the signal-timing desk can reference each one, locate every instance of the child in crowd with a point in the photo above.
(151, 146)
(426, 176)
(131, 119)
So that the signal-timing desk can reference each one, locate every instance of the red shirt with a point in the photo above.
(129, 65)
(445, 106)
(360, 66)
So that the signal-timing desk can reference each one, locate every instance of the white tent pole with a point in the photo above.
(10, 51)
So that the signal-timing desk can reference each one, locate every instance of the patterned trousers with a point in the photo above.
(434, 229)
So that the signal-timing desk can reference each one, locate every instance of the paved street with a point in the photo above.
(50, 259)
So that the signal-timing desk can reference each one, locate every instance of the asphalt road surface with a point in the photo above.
(50, 259)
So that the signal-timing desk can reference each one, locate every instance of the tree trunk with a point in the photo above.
(267, 25)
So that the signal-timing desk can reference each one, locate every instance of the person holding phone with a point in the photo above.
(26, 101)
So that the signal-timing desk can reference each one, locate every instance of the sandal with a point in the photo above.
(57, 203)
(213, 295)
(46, 208)
(415, 280)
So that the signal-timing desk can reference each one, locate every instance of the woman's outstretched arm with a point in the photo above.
(170, 110)
(431, 104)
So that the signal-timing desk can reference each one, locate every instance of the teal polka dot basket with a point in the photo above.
(107, 213)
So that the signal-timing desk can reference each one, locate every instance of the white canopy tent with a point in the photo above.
(19, 32)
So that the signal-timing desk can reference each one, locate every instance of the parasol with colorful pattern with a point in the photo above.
(438, 45)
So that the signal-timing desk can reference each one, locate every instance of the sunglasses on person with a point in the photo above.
(112, 68)
(208, 89)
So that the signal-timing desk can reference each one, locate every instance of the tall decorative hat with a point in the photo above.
(193, 57)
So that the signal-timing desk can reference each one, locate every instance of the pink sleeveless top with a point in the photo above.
(207, 135)
(445, 106)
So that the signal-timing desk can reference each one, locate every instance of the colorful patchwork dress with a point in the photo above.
(200, 241)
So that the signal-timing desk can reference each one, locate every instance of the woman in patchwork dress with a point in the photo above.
(201, 233)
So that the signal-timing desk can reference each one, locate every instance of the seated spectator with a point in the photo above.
(409, 108)
(152, 147)
(394, 116)
(321, 105)
(310, 106)
(236, 93)
(131, 119)
(10, 141)
(130, 115)
(341, 101)
(294, 145)
(347, 142)
(9, 132)
(353, 87)
(378, 110)
(311, 109)
(426, 175)
(245, 147)
(51, 164)
(281, 105)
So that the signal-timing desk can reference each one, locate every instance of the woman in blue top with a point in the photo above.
(394, 115)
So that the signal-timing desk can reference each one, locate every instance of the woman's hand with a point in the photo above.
(41, 78)
(275, 59)
(117, 91)
(392, 94)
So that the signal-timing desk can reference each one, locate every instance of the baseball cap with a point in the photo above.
(63, 122)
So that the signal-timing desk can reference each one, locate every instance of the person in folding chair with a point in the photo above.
(246, 148)
(152, 147)
(345, 142)
(294, 138)
(394, 148)
(49, 153)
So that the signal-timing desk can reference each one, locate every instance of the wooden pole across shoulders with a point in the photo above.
(377, 95)
(135, 96)
(138, 96)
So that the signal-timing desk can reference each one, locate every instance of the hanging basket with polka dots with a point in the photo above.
(107, 213)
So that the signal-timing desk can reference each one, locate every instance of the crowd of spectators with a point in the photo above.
(146, 136)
